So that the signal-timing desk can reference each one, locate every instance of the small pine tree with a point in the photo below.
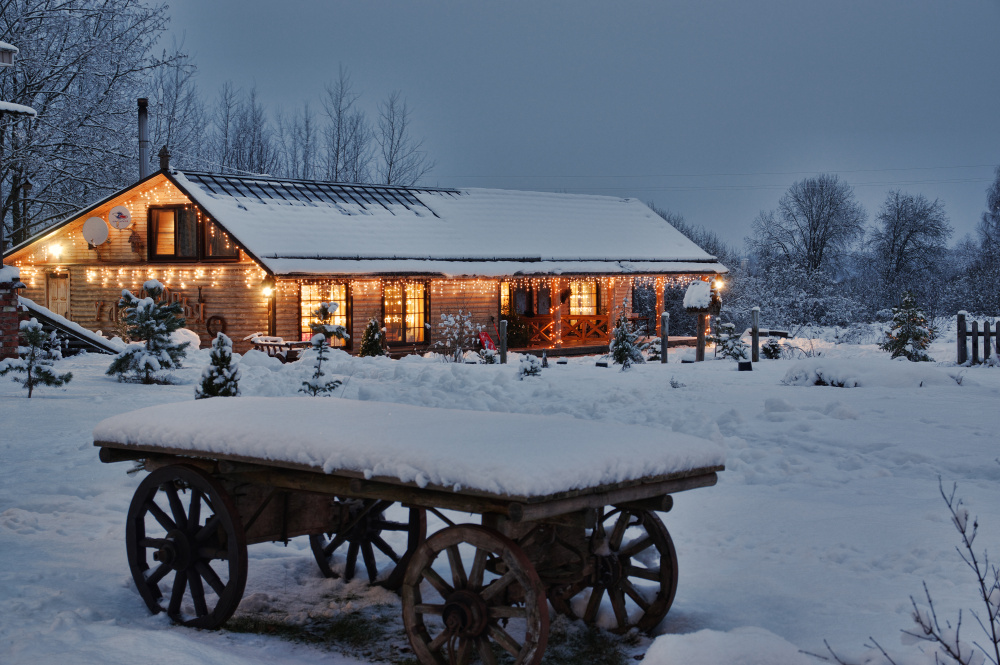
(373, 340)
(911, 334)
(35, 358)
(529, 366)
(153, 321)
(731, 345)
(317, 384)
(625, 347)
(771, 349)
(221, 377)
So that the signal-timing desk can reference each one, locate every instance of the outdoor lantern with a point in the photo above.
(718, 284)
(7, 54)
(267, 286)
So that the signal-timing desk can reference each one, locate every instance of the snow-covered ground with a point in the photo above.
(825, 522)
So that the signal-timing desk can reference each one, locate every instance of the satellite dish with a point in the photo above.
(95, 231)
(120, 217)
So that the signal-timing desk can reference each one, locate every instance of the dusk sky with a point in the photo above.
(709, 109)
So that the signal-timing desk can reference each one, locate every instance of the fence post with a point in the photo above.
(664, 333)
(503, 342)
(755, 334)
(962, 350)
(699, 352)
(986, 341)
(975, 342)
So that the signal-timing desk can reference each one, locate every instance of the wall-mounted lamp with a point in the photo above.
(55, 251)
(267, 286)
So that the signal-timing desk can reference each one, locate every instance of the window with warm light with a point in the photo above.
(583, 298)
(311, 295)
(404, 312)
(183, 233)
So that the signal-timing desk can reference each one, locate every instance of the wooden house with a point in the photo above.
(257, 254)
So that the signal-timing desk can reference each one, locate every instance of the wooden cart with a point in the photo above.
(469, 591)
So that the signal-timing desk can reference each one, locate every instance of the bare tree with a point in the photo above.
(177, 112)
(225, 118)
(296, 142)
(909, 238)
(81, 65)
(989, 225)
(245, 136)
(348, 136)
(816, 222)
(402, 160)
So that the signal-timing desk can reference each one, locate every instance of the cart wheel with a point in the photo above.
(183, 524)
(362, 534)
(493, 603)
(633, 560)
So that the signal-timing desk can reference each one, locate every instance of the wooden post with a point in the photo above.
(975, 342)
(699, 353)
(664, 333)
(503, 342)
(755, 334)
(986, 341)
(962, 350)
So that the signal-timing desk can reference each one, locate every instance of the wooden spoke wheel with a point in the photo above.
(634, 564)
(489, 603)
(186, 547)
(364, 532)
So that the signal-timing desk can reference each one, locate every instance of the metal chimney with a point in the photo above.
(143, 138)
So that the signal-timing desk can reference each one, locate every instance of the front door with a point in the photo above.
(58, 293)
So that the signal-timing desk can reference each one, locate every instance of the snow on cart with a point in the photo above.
(568, 512)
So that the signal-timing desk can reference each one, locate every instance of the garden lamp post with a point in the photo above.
(7, 53)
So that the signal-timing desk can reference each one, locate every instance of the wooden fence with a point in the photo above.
(974, 334)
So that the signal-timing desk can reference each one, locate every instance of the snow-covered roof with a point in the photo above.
(4, 46)
(306, 227)
(9, 274)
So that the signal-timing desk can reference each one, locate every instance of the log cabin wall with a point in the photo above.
(480, 297)
(366, 304)
(230, 290)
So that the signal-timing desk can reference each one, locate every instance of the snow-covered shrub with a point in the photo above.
(35, 356)
(221, 377)
(152, 321)
(457, 333)
(910, 333)
(373, 340)
(318, 384)
(529, 366)
(652, 347)
(624, 347)
(489, 356)
(731, 345)
(771, 349)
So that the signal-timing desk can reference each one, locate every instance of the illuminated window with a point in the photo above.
(182, 232)
(310, 296)
(404, 308)
(505, 297)
(218, 244)
(174, 232)
(583, 298)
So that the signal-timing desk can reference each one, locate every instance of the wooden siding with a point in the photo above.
(230, 290)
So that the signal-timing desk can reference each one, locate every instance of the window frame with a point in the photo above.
(427, 312)
(202, 222)
(348, 306)
(597, 295)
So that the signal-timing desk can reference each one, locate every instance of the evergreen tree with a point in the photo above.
(153, 321)
(35, 359)
(317, 384)
(625, 347)
(221, 377)
(373, 340)
(911, 333)
(529, 366)
(729, 344)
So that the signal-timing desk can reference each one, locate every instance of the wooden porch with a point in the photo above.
(567, 331)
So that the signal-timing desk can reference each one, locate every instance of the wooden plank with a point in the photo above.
(350, 483)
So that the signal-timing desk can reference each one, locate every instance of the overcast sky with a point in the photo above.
(710, 109)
